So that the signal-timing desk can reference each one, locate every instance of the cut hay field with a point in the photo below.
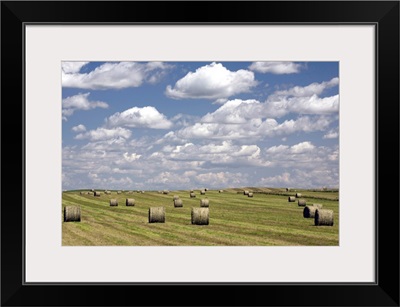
(266, 219)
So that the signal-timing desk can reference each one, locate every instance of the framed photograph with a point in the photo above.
(245, 148)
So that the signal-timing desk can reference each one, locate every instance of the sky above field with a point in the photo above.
(184, 125)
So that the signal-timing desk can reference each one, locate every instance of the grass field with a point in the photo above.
(235, 219)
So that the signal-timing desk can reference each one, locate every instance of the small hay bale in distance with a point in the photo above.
(301, 202)
(200, 216)
(220, 191)
(113, 202)
(309, 211)
(92, 190)
(206, 189)
(192, 195)
(287, 189)
(245, 192)
(165, 192)
(130, 202)
(97, 194)
(250, 194)
(291, 199)
(323, 217)
(157, 215)
(204, 202)
(178, 203)
(202, 192)
(298, 195)
(72, 214)
(176, 197)
(191, 191)
(119, 192)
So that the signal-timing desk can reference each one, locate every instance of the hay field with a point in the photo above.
(266, 219)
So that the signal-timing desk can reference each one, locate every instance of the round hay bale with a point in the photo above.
(178, 203)
(301, 202)
(176, 197)
(220, 191)
(319, 206)
(191, 191)
(165, 192)
(119, 192)
(80, 193)
(291, 199)
(287, 189)
(298, 195)
(92, 190)
(97, 194)
(323, 217)
(206, 189)
(72, 214)
(245, 192)
(200, 216)
(204, 202)
(192, 195)
(202, 192)
(157, 215)
(130, 202)
(113, 202)
(250, 194)
(309, 211)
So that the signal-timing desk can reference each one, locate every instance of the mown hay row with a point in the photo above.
(200, 216)
(157, 215)
(72, 214)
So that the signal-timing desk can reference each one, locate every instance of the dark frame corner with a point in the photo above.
(384, 14)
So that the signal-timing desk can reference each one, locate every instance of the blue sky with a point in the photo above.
(183, 125)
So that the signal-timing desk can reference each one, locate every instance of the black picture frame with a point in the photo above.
(383, 14)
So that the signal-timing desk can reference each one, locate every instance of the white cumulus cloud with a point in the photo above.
(79, 128)
(101, 134)
(331, 134)
(213, 81)
(309, 90)
(146, 117)
(80, 102)
(277, 68)
(117, 75)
